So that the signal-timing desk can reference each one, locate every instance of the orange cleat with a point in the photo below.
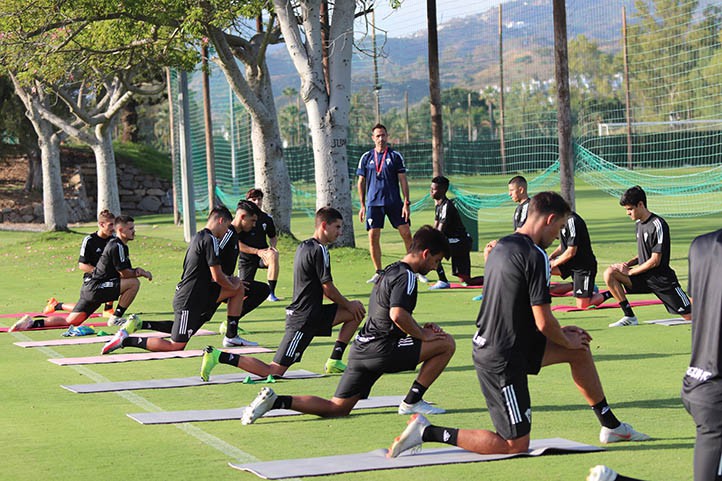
(50, 306)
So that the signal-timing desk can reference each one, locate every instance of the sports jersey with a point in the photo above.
(115, 257)
(520, 214)
(381, 171)
(311, 269)
(703, 380)
(446, 214)
(396, 287)
(203, 252)
(91, 250)
(256, 237)
(516, 277)
(229, 251)
(575, 234)
(653, 237)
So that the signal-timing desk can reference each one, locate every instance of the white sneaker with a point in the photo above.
(440, 285)
(260, 406)
(422, 278)
(373, 279)
(237, 341)
(601, 473)
(23, 324)
(625, 321)
(411, 438)
(420, 407)
(116, 321)
(623, 432)
(115, 343)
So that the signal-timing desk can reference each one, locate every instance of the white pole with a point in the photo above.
(233, 143)
(188, 196)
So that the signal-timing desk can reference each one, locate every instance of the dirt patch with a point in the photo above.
(13, 172)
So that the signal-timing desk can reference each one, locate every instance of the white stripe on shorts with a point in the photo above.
(511, 404)
(293, 345)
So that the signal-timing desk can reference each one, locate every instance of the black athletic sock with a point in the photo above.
(232, 330)
(438, 434)
(38, 323)
(119, 311)
(416, 393)
(606, 295)
(141, 342)
(442, 274)
(161, 326)
(58, 307)
(272, 285)
(605, 415)
(626, 308)
(338, 350)
(228, 358)
(282, 402)
(621, 477)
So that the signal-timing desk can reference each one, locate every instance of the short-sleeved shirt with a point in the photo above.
(381, 171)
(196, 280)
(229, 251)
(516, 277)
(256, 237)
(575, 234)
(520, 214)
(448, 216)
(379, 335)
(311, 269)
(115, 258)
(653, 237)
(703, 380)
(91, 249)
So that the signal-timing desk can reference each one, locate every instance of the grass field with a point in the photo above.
(49, 433)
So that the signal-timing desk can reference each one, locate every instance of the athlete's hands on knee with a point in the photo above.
(357, 310)
(433, 326)
(237, 283)
(577, 337)
(621, 267)
(429, 333)
(488, 248)
(143, 273)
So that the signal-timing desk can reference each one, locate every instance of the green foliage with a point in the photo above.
(146, 158)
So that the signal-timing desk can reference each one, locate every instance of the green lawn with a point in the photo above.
(50, 433)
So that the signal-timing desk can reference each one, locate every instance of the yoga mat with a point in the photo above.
(177, 382)
(71, 341)
(607, 305)
(676, 321)
(40, 314)
(456, 285)
(173, 417)
(147, 356)
(90, 324)
(375, 460)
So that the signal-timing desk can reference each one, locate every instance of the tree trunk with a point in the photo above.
(108, 196)
(34, 180)
(129, 122)
(54, 208)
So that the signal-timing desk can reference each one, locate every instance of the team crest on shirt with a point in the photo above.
(528, 415)
(646, 235)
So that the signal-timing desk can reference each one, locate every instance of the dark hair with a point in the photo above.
(124, 219)
(254, 194)
(105, 214)
(327, 215)
(518, 180)
(546, 203)
(220, 212)
(633, 196)
(429, 238)
(379, 126)
(248, 207)
(441, 181)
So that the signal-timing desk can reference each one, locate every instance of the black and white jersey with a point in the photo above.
(311, 269)
(91, 249)
(448, 217)
(396, 287)
(203, 252)
(703, 380)
(653, 237)
(575, 234)
(229, 251)
(256, 237)
(516, 277)
(520, 214)
(115, 257)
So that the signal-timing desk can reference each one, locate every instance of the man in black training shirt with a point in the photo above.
(390, 341)
(448, 221)
(702, 385)
(203, 284)
(649, 270)
(307, 316)
(112, 278)
(517, 336)
(574, 257)
(255, 251)
(90, 251)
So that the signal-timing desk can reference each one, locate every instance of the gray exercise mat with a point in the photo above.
(71, 341)
(173, 417)
(177, 382)
(374, 460)
(149, 356)
(676, 321)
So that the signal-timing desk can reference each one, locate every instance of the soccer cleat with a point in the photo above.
(116, 321)
(601, 473)
(115, 343)
(373, 279)
(22, 324)
(334, 366)
(440, 285)
(411, 438)
(623, 432)
(108, 312)
(260, 406)
(210, 359)
(132, 324)
(625, 321)
(272, 298)
(422, 278)
(237, 341)
(420, 407)
(50, 306)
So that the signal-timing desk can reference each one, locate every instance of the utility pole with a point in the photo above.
(208, 125)
(188, 195)
(564, 111)
(377, 85)
(437, 126)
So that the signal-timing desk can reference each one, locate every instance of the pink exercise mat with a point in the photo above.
(607, 305)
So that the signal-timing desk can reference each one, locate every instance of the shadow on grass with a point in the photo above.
(632, 356)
